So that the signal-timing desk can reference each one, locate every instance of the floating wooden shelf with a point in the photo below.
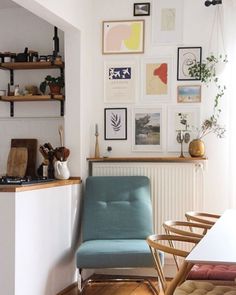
(32, 98)
(23, 98)
(31, 65)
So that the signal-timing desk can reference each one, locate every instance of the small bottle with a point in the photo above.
(55, 43)
(17, 90)
(45, 169)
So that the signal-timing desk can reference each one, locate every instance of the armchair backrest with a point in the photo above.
(117, 207)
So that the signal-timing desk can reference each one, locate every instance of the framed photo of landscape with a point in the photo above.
(147, 129)
(142, 9)
(115, 123)
(189, 93)
(187, 57)
(123, 36)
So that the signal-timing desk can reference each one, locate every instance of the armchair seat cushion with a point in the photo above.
(122, 253)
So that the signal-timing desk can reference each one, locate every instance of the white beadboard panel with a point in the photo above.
(175, 187)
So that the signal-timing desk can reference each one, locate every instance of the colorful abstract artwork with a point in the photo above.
(123, 37)
(157, 78)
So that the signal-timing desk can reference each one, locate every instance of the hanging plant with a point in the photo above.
(206, 73)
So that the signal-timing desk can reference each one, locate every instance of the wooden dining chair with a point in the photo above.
(184, 228)
(221, 272)
(179, 285)
(202, 217)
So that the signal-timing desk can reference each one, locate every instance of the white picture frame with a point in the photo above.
(174, 126)
(156, 79)
(120, 81)
(147, 129)
(167, 22)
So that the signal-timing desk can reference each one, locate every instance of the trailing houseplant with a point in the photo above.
(206, 72)
(55, 84)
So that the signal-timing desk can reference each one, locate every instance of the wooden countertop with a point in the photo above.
(43, 185)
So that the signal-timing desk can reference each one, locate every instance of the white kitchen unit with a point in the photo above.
(39, 232)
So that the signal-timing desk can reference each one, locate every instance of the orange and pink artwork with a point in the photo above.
(156, 78)
(123, 37)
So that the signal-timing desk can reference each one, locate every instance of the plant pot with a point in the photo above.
(55, 89)
(196, 148)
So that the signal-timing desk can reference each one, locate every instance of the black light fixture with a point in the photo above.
(213, 2)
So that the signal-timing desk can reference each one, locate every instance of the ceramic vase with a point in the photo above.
(61, 170)
(196, 148)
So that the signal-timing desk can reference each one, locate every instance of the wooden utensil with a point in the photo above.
(60, 130)
(17, 162)
(32, 146)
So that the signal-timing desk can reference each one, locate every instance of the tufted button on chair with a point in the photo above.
(117, 218)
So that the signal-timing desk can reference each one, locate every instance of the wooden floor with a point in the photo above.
(126, 288)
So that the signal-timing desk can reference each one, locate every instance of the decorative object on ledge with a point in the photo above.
(196, 148)
(97, 152)
(182, 136)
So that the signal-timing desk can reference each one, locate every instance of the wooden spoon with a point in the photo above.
(60, 130)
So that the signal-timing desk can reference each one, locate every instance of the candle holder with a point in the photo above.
(182, 136)
(97, 152)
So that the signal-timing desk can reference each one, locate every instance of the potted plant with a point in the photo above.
(206, 72)
(55, 84)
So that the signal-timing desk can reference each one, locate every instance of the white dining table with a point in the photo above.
(218, 246)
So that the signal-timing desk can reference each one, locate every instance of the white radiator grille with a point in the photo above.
(175, 188)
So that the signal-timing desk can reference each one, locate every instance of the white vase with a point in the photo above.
(61, 170)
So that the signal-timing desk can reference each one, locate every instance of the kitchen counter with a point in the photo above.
(38, 186)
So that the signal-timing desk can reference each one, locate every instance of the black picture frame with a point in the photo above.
(142, 9)
(186, 57)
(115, 123)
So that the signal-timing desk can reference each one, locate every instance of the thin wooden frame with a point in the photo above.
(187, 57)
(115, 123)
(189, 93)
(147, 129)
(123, 36)
(141, 9)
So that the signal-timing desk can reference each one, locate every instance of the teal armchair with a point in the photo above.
(117, 218)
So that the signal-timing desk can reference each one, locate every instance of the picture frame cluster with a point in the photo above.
(140, 102)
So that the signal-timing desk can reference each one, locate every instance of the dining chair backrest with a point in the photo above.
(202, 217)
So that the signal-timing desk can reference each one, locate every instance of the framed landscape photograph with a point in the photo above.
(167, 22)
(187, 57)
(184, 119)
(147, 127)
(189, 93)
(120, 81)
(115, 123)
(123, 37)
(141, 9)
(156, 79)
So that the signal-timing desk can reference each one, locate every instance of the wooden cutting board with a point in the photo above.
(17, 162)
(32, 145)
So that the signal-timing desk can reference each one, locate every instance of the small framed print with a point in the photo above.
(123, 37)
(147, 130)
(187, 57)
(115, 123)
(181, 118)
(189, 93)
(142, 9)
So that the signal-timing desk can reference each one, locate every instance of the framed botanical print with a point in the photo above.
(115, 123)
(183, 119)
(147, 129)
(121, 37)
(187, 57)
